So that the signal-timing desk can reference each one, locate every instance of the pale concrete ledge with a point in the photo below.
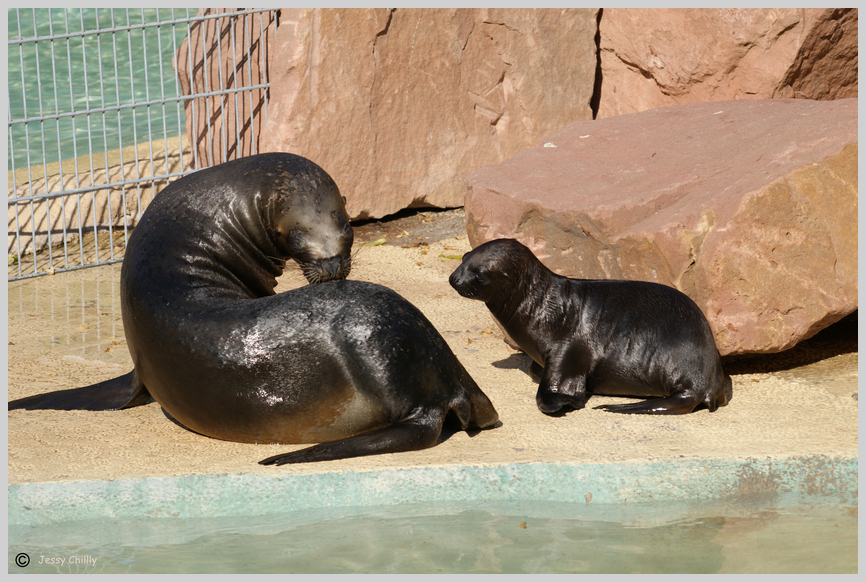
(784, 480)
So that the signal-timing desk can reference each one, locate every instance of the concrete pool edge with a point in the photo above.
(789, 479)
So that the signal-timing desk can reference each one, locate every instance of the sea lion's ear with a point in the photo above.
(344, 199)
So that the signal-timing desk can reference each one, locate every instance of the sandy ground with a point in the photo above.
(66, 331)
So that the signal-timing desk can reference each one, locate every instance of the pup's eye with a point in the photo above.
(480, 276)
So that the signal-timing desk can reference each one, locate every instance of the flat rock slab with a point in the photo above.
(747, 206)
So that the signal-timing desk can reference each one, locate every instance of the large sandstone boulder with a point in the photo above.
(398, 105)
(654, 58)
(747, 206)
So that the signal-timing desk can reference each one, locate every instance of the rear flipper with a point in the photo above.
(122, 392)
(677, 403)
(395, 438)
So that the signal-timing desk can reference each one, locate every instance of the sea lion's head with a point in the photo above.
(311, 224)
(492, 270)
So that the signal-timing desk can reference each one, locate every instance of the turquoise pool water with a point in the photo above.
(90, 72)
(452, 537)
(791, 514)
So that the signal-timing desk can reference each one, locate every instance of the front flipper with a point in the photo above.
(550, 401)
(395, 438)
(677, 403)
(562, 384)
(122, 392)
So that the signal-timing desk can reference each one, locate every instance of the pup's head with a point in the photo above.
(491, 270)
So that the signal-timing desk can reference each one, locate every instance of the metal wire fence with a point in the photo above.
(101, 104)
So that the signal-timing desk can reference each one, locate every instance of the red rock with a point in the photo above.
(826, 64)
(398, 106)
(654, 58)
(747, 206)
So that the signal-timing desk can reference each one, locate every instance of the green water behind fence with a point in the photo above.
(86, 80)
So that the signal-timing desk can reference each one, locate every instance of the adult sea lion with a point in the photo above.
(342, 361)
(619, 338)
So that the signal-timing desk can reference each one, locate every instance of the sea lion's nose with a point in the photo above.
(332, 267)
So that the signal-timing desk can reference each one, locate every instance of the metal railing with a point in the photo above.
(101, 103)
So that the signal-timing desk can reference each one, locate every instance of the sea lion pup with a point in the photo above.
(346, 362)
(619, 338)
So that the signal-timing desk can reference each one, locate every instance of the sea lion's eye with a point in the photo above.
(480, 276)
